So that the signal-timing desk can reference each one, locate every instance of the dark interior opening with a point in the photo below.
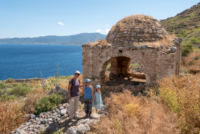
(122, 70)
(120, 51)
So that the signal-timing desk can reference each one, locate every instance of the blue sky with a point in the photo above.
(32, 18)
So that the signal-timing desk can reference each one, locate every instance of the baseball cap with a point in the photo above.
(98, 86)
(87, 80)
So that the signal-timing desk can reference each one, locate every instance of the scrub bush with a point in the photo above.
(21, 90)
(187, 49)
(182, 94)
(47, 103)
(4, 85)
(9, 80)
(135, 115)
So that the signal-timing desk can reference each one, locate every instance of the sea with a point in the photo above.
(39, 60)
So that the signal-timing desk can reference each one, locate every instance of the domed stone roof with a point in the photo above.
(135, 29)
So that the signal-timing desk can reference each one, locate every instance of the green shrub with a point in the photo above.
(9, 80)
(187, 48)
(194, 41)
(21, 90)
(4, 85)
(47, 103)
(108, 67)
(135, 66)
(196, 58)
(6, 97)
(15, 84)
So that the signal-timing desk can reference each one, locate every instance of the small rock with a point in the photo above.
(58, 119)
(37, 118)
(57, 110)
(27, 123)
(144, 47)
(39, 122)
(22, 126)
(33, 116)
(43, 121)
(173, 49)
(71, 130)
(86, 121)
(41, 115)
(31, 120)
(83, 128)
(65, 105)
(63, 112)
(41, 127)
(61, 107)
(23, 132)
(50, 119)
(96, 116)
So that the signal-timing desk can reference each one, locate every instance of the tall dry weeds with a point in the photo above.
(182, 94)
(11, 117)
(134, 115)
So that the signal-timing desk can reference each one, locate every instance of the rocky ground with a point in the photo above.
(57, 122)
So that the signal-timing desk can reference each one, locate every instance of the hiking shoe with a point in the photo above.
(89, 116)
(86, 116)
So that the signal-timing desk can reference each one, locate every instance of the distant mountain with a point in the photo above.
(185, 24)
(77, 39)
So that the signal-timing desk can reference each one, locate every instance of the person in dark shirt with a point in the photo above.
(74, 93)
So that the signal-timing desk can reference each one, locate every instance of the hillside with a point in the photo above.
(77, 39)
(185, 24)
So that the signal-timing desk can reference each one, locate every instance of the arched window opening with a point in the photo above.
(136, 73)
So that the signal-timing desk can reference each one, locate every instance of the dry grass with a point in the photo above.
(182, 94)
(11, 114)
(134, 115)
(164, 42)
(130, 20)
(192, 62)
(10, 117)
(100, 42)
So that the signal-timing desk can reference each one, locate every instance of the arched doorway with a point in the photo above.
(122, 70)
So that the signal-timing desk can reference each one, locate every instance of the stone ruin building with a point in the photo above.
(140, 38)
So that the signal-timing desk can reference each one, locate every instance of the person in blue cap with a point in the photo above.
(97, 103)
(88, 96)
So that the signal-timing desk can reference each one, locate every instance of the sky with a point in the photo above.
(33, 18)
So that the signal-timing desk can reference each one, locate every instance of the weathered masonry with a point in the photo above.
(139, 38)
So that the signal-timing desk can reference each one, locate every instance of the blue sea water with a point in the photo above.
(27, 61)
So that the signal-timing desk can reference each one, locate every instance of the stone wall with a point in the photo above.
(157, 62)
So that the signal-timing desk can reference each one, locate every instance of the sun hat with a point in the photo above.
(87, 80)
(98, 86)
(77, 72)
